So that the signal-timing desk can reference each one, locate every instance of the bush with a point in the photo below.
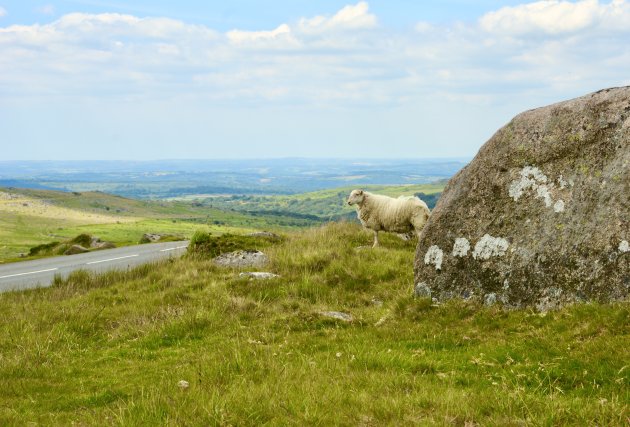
(203, 243)
(42, 249)
(84, 240)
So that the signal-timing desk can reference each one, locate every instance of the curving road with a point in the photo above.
(40, 273)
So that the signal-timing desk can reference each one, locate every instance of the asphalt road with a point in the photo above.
(40, 273)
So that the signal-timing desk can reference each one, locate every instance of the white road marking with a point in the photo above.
(30, 272)
(111, 259)
(172, 249)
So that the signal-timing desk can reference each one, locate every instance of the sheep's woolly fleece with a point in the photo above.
(383, 213)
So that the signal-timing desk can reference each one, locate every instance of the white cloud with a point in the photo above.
(424, 27)
(558, 17)
(282, 33)
(351, 17)
(322, 61)
(3, 12)
(48, 9)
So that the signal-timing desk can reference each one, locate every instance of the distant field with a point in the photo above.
(33, 217)
(324, 204)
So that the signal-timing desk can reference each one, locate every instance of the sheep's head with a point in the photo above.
(356, 197)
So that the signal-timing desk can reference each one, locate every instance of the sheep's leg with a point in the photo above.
(375, 239)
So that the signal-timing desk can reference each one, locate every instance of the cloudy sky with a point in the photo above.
(115, 79)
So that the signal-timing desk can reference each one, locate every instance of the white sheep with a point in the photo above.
(382, 213)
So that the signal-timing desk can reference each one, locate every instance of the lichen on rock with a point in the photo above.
(531, 178)
(558, 206)
(461, 247)
(550, 194)
(434, 256)
(489, 246)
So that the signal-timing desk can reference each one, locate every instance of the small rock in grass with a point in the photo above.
(150, 238)
(258, 275)
(337, 315)
(183, 384)
(422, 290)
(490, 299)
(242, 259)
(75, 249)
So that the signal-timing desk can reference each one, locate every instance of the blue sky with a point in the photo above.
(114, 79)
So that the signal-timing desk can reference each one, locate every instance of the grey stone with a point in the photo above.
(104, 245)
(546, 206)
(258, 275)
(337, 315)
(490, 299)
(422, 290)
(150, 238)
(377, 302)
(240, 259)
(75, 249)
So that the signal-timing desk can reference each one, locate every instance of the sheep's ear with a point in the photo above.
(360, 192)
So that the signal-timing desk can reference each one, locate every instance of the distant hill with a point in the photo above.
(327, 205)
(19, 183)
(177, 178)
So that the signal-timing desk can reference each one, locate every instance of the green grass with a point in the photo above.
(48, 216)
(325, 204)
(110, 349)
(123, 221)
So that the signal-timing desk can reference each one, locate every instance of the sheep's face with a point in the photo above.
(356, 197)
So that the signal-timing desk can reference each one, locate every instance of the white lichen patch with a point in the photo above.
(489, 246)
(434, 256)
(531, 178)
(558, 206)
(624, 246)
(461, 247)
(542, 192)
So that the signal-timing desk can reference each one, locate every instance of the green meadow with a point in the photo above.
(115, 348)
(33, 217)
(325, 205)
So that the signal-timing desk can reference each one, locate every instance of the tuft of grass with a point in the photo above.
(110, 349)
(82, 239)
(205, 244)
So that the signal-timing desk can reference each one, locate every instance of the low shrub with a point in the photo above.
(42, 249)
(205, 244)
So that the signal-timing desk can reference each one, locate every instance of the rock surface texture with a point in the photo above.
(541, 216)
(240, 259)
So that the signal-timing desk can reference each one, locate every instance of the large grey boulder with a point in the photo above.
(541, 216)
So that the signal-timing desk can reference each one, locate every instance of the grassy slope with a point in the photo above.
(111, 349)
(327, 204)
(41, 216)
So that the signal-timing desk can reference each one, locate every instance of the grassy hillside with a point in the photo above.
(324, 204)
(112, 349)
(32, 217)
